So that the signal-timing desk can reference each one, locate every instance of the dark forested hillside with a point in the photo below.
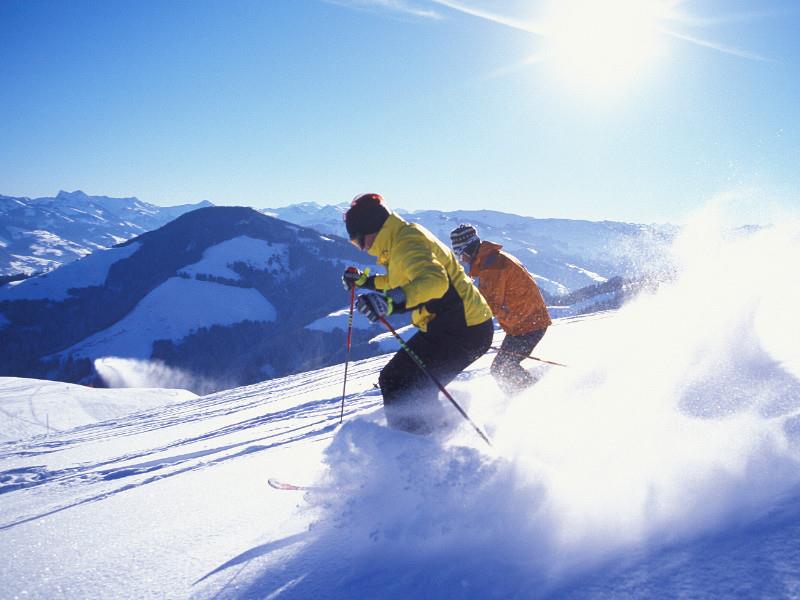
(305, 288)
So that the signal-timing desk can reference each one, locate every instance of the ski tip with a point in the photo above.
(281, 485)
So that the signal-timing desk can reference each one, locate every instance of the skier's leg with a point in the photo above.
(459, 349)
(506, 368)
(410, 397)
(458, 352)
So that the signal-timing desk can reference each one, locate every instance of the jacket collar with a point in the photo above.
(384, 241)
(487, 251)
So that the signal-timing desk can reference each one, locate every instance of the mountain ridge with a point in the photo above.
(242, 285)
(41, 234)
(563, 255)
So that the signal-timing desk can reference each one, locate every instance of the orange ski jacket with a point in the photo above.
(510, 290)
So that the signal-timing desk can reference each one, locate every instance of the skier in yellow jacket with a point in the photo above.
(515, 300)
(423, 276)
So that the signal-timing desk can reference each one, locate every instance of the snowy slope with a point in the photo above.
(122, 521)
(172, 311)
(663, 461)
(31, 407)
(257, 254)
(180, 306)
(581, 496)
(88, 271)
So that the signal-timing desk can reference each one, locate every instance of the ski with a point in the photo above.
(282, 485)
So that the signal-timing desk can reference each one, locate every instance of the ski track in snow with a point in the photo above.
(250, 409)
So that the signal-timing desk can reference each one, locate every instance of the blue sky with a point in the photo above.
(548, 109)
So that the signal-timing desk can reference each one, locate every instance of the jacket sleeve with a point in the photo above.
(487, 281)
(501, 290)
(426, 276)
(381, 282)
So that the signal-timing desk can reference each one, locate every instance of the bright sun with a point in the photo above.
(602, 44)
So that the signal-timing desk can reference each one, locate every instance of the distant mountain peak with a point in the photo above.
(81, 196)
(76, 195)
(201, 204)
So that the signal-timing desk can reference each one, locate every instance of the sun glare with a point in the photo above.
(602, 45)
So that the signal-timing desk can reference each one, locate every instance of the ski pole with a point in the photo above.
(349, 339)
(549, 362)
(425, 370)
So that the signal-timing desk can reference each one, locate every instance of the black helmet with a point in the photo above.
(366, 215)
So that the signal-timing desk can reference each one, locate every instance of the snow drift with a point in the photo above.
(677, 418)
(119, 372)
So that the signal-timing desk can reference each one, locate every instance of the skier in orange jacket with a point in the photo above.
(514, 298)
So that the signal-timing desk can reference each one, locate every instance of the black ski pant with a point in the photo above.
(410, 398)
(506, 368)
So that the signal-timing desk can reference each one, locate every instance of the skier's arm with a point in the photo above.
(520, 286)
(427, 277)
(488, 283)
(503, 289)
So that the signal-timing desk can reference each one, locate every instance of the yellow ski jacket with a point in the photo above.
(436, 286)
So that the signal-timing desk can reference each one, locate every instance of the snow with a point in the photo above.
(549, 283)
(663, 461)
(172, 311)
(386, 342)
(217, 259)
(30, 264)
(137, 373)
(337, 320)
(93, 213)
(34, 407)
(583, 306)
(44, 242)
(383, 342)
(88, 271)
(591, 275)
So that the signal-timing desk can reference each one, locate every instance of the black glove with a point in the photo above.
(353, 277)
(375, 306)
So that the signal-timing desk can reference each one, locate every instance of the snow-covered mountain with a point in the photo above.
(563, 255)
(218, 297)
(41, 234)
